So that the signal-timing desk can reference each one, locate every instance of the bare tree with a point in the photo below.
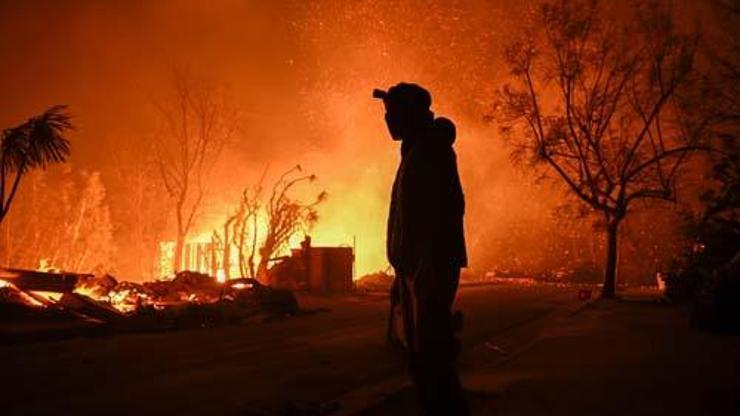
(223, 243)
(611, 106)
(239, 233)
(283, 214)
(724, 54)
(286, 215)
(245, 228)
(197, 124)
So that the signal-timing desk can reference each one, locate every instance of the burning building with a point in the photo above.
(311, 268)
(315, 269)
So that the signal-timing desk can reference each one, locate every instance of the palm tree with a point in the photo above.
(36, 143)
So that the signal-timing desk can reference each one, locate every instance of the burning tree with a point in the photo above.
(283, 216)
(245, 229)
(286, 215)
(197, 124)
(137, 208)
(239, 232)
(62, 218)
(610, 106)
(36, 143)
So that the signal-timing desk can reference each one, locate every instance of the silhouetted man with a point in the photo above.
(425, 244)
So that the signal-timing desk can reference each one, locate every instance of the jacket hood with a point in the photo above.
(444, 131)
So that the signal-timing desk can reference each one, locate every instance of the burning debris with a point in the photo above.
(375, 282)
(190, 299)
(322, 270)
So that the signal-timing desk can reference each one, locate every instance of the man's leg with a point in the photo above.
(433, 293)
(392, 331)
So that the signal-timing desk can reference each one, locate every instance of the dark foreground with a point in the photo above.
(527, 350)
(633, 356)
(292, 366)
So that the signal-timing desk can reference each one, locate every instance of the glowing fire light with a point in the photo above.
(46, 266)
(50, 296)
(241, 286)
(28, 298)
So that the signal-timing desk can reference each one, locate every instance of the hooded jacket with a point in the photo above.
(425, 222)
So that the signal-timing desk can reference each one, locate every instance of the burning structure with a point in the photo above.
(189, 299)
(197, 293)
(314, 269)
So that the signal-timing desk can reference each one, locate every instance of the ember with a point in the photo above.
(190, 299)
(471, 178)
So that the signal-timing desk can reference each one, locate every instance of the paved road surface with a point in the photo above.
(260, 368)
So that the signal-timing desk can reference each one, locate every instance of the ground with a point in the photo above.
(258, 367)
(621, 358)
(633, 356)
(527, 350)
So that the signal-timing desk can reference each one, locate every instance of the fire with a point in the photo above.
(35, 299)
(125, 300)
(50, 296)
(241, 286)
(347, 220)
(45, 265)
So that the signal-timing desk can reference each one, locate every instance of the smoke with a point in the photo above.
(300, 75)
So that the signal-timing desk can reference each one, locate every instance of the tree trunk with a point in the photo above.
(177, 257)
(6, 201)
(227, 252)
(240, 249)
(253, 251)
(262, 273)
(266, 252)
(180, 237)
(612, 259)
(227, 262)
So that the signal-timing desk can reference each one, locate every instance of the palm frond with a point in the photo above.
(13, 148)
(37, 142)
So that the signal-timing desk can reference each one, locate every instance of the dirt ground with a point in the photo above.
(629, 357)
(326, 362)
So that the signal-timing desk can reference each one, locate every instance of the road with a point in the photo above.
(254, 369)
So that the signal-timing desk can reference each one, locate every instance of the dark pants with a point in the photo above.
(427, 296)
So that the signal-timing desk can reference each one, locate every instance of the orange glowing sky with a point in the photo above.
(300, 74)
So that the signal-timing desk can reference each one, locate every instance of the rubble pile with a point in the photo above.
(375, 282)
(190, 299)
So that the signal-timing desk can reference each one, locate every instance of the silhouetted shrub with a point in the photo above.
(716, 306)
